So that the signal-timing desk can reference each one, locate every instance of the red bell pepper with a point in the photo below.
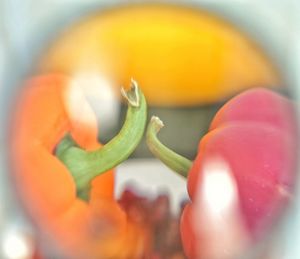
(243, 174)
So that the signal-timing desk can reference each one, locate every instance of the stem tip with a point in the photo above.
(156, 123)
(132, 95)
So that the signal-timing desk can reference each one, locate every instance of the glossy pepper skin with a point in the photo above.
(95, 229)
(254, 133)
(252, 140)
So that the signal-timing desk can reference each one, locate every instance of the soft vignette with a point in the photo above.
(20, 40)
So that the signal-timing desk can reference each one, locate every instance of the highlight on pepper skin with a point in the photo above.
(218, 226)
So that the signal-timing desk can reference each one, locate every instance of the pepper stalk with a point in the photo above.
(174, 161)
(84, 165)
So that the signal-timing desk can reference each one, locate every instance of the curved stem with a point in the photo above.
(85, 166)
(174, 161)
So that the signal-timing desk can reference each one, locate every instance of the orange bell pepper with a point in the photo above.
(98, 228)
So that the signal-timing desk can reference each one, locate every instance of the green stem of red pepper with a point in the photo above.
(174, 161)
(86, 165)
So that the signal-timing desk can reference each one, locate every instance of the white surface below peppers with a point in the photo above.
(150, 177)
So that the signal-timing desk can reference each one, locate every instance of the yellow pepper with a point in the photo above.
(168, 49)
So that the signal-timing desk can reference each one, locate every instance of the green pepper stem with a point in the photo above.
(86, 165)
(174, 161)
